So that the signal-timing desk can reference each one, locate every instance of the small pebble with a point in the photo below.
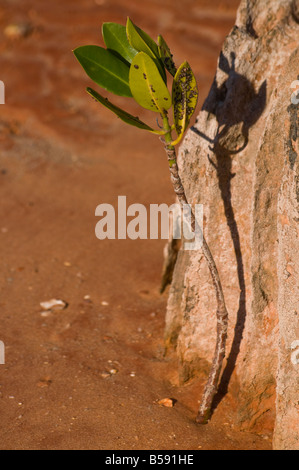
(54, 304)
(167, 402)
(46, 313)
(87, 299)
(45, 382)
(105, 375)
(18, 31)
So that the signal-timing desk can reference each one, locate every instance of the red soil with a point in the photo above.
(62, 155)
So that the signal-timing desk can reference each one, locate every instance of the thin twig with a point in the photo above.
(210, 390)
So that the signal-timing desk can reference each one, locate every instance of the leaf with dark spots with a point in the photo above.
(184, 99)
(166, 56)
(147, 86)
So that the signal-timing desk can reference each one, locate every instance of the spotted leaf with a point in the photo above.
(166, 56)
(184, 99)
(147, 86)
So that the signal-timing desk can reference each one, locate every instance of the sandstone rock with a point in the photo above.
(241, 162)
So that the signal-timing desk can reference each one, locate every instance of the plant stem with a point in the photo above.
(210, 390)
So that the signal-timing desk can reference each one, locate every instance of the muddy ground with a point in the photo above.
(90, 376)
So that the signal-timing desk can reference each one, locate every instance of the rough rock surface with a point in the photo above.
(241, 162)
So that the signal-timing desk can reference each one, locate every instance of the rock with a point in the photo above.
(109, 373)
(105, 375)
(54, 304)
(241, 162)
(167, 402)
(18, 30)
(44, 382)
(46, 313)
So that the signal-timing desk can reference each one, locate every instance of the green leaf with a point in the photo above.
(184, 99)
(166, 56)
(142, 42)
(123, 115)
(105, 69)
(115, 38)
(147, 85)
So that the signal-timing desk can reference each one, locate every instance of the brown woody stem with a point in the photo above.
(210, 390)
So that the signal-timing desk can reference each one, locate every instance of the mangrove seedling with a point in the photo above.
(134, 65)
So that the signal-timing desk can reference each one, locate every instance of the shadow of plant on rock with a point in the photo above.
(237, 107)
